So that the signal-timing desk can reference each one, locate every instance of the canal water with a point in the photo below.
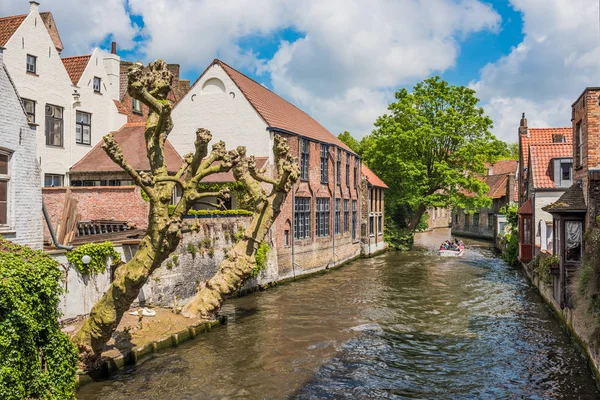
(400, 325)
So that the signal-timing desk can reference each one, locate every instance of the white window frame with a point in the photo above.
(81, 125)
(28, 64)
(99, 88)
(6, 178)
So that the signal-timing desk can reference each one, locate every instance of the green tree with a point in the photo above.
(350, 141)
(430, 149)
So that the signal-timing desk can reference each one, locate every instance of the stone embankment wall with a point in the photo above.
(572, 320)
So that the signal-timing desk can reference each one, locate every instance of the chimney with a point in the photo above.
(523, 126)
(33, 6)
(112, 65)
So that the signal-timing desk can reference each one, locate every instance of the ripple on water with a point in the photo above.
(397, 326)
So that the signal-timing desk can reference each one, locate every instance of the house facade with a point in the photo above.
(20, 189)
(578, 207)
(71, 100)
(373, 192)
(488, 222)
(545, 173)
(321, 224)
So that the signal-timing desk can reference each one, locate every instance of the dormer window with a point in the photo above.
(563, 172)
(31, 63)
(558, 138)
(97, 83)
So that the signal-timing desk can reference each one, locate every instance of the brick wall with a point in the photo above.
(121, 203)
(438, 217)
(316, 252)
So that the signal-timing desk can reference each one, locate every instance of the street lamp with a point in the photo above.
(86, 259)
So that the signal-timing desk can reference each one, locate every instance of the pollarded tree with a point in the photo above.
(151, 86)
(430, 149)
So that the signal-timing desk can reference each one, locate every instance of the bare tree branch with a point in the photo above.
(114, 151)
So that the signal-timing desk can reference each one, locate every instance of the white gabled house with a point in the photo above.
(71, 100)
(20, 190)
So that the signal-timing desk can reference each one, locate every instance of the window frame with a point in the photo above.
(81, 125)
(304, 159)
(337, 227)
(99, 80)
(27, 64)
(476, 219)
(322, 216)
(133, 108)
(61, 179)
(579, 147)
(348, 169)
(62, 125)
(5, 178)
(324, 157)
(380, 224)
(346, 215)
(355, 172)
(338, 173)
(29, 114)
(490, 221)
(302, 218)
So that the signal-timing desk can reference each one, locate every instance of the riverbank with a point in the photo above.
(136, 339)
(570, 319)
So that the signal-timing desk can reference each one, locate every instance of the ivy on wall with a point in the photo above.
(261, 259)
(98, 253)
(37, 360)
(199, 213)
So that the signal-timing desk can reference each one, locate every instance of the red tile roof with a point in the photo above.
(540, 166)
(277, 112)
(527, 207)
(131, 139)
(8, 26)
(540, 136)
(504, 167)
(372, 178)
(75, 66)
(497, 185)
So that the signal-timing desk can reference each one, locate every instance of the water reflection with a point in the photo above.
(397, 326)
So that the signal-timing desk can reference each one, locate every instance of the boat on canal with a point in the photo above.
(452, 248)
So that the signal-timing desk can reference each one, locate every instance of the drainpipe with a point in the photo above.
(52, 234)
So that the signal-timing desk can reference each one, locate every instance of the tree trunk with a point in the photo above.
(416, 217)
(235, 270)
(106, 314)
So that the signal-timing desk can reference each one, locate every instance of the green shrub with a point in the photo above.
(192, 249)
(261, 257)
(200, 213)
(98, 253)
(511, 253)
(541, 267)
(37, 360)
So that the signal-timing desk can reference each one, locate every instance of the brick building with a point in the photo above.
(373, 212)
(579, 206)
(545, 173)
(489, 222)
(321, 222)
(20, 189)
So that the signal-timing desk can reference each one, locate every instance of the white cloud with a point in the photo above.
(542, 76)
(82, 24)
(352, 52)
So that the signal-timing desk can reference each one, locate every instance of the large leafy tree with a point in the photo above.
(430, 149)
(150, 85)
(350, 141)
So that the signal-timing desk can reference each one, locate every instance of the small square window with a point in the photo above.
(97, 84)
(54, 180)
(31, 63)
(136, 106)
(29, 106)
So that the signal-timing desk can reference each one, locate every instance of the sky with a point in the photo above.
(342, 60)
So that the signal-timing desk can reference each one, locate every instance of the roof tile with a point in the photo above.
(372, 178)
(131, 139)
(541, 136)
(8, 26)
(75, 66)
(541, 155)
(571, 201)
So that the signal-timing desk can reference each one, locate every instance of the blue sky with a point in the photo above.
(342, 60)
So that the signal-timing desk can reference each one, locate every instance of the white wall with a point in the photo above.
(24, 191)
(51, 85)
(231, 119)
(542, 199)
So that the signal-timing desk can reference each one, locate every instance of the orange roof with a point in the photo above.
(497, 185)
(527, 207)
(541, 136)
(504, 167)
(8, 26)
(75, 66)
(277, 112)
(372, 178)
(540, 166)
(131, 139)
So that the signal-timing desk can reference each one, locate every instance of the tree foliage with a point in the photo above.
(430, 149)
(37, 360)
(350, 141)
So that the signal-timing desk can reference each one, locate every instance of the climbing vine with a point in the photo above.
(200, 213)
(261, 259)
(37, 360)
(98, 253)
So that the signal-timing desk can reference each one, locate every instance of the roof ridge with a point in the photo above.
(14, 16)
(549, 129)
(85, 55)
